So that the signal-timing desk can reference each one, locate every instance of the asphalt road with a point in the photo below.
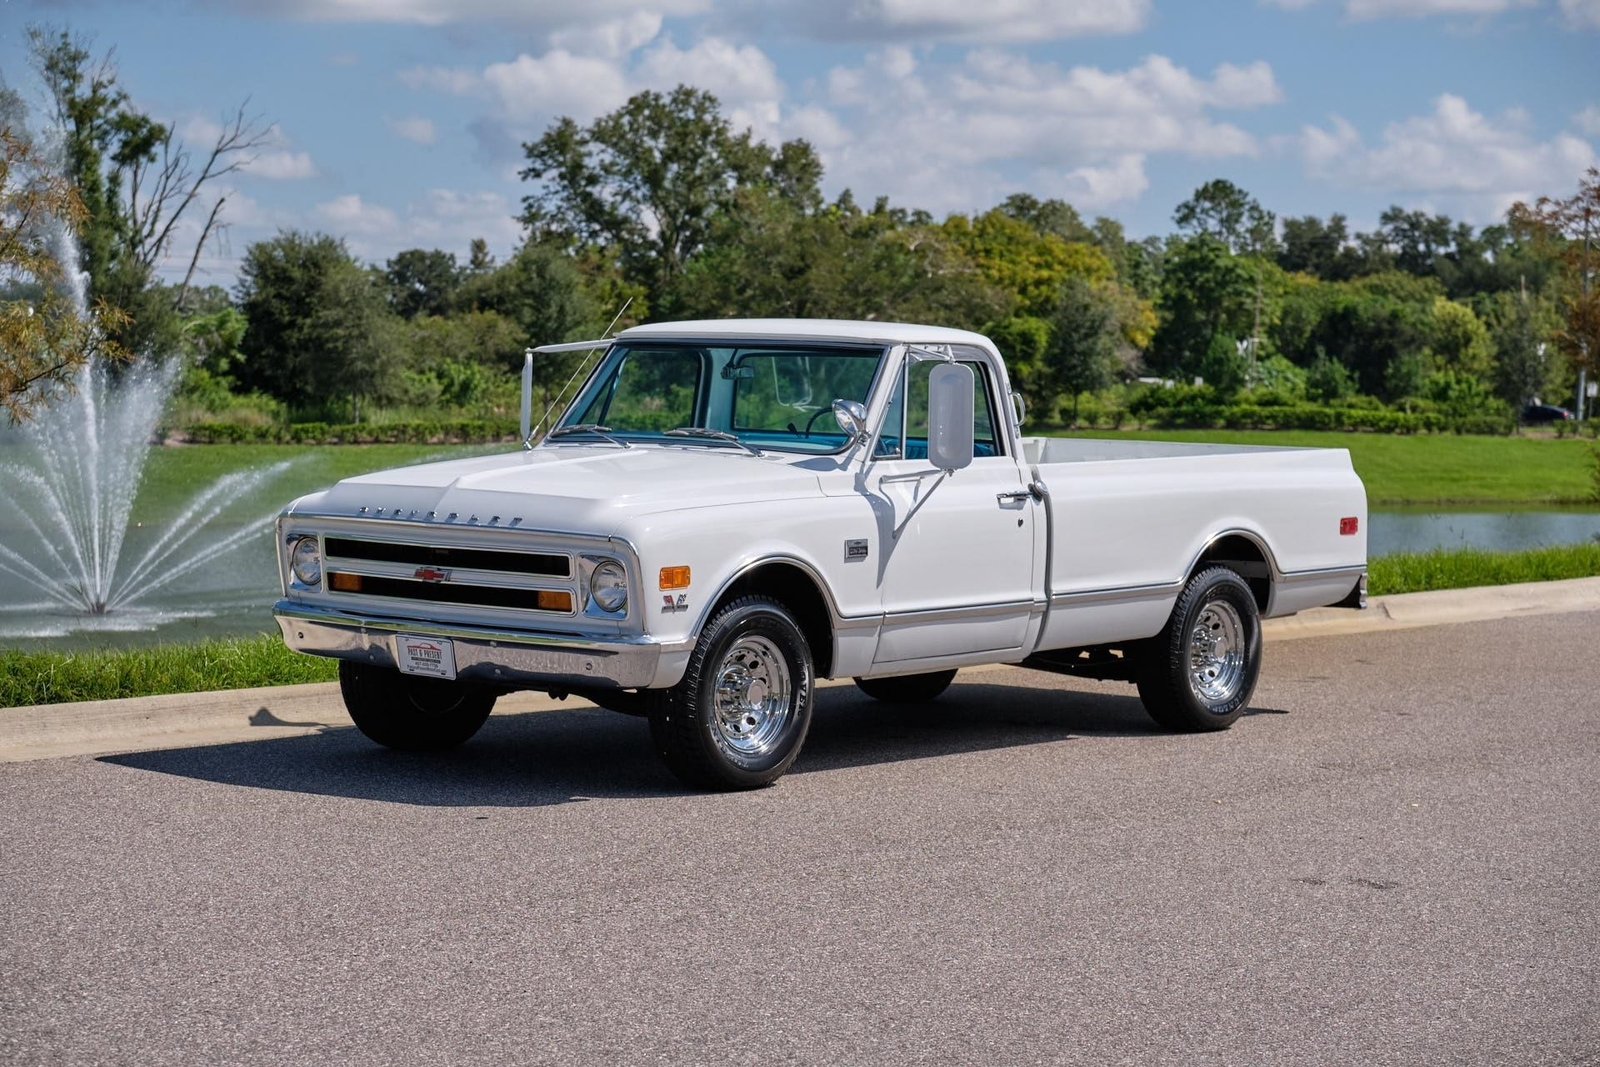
(1392, 860)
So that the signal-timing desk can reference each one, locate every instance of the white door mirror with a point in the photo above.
(950, 420)
(852, 419)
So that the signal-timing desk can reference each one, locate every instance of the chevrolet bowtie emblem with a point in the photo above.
(429, 574)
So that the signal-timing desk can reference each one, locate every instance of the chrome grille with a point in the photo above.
(498, 578)
(482, 559)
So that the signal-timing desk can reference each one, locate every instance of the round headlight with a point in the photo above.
(608, 587)
(305, 559)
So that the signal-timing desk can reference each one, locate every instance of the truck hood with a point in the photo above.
(574, 488)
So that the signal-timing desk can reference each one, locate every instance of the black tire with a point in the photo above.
(907, 688)
(703, 747)
(410, 713)
(1219, 600)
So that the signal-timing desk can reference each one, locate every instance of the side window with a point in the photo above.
(985, 441)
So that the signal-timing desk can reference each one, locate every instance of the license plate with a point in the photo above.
(432, 656)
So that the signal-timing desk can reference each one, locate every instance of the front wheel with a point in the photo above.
(1200, 672)
(740, 715)
(410, 713)
(907, 688)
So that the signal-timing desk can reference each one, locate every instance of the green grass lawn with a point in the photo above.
(173, 474)
(1398, 469)
(1416, 572)
(1430, 468)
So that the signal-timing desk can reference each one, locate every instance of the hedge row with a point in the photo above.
(422, 431)
(1312, 417)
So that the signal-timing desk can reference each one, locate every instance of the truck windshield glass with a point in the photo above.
(770, 396)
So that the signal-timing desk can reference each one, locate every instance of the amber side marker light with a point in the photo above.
(674, 577)
(345, 583)
(553, 600)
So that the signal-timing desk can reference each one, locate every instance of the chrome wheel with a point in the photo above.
(753, 699)
(1217, 653)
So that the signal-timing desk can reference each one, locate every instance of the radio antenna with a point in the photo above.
(527, 437)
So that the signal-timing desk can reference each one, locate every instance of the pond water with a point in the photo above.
(1415, 530)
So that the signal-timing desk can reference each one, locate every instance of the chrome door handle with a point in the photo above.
(1020, 494)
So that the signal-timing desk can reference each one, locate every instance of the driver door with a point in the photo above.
(958, 548)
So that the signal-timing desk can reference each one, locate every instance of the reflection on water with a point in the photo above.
(1504, 531)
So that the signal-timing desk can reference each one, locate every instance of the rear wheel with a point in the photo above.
(907, 688)
(1200, 672)
(740, 715)
(415, 714)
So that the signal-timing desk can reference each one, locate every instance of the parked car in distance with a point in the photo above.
(1545, 413)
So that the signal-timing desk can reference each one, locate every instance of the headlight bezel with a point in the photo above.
(612, 597)
(313, 565)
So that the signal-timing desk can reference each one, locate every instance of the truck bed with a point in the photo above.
(1128, 519)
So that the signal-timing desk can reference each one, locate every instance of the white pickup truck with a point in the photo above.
(729, 510)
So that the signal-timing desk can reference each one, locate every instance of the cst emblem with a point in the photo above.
(678, 603)
(854, 550)
(429, 574)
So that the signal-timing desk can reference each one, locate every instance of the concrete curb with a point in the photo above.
(186, 720)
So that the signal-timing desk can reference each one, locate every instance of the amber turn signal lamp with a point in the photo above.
(674, 577)
(345, 583)
(554, 600)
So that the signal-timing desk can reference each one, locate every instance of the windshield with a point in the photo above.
(769, 396)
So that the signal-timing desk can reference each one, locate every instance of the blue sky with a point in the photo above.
(398, 123)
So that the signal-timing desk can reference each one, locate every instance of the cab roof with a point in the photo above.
(889, 333)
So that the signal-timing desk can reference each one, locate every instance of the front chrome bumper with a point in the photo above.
(507, 657)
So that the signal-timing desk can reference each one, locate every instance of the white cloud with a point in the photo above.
(556, 83)
(547, 13)
(281, 165)
(973, 21)
(1484, 162)
(442, 218)
(613, 39)
(529, 92)
(275, 159)
(1091, 188)
(1082, 132)
(351, 216)
(1582, 14)
(743, 79)
(1587, 121)
(415, 128)
(1376, 9)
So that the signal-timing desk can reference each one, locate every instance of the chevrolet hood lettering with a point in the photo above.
(570, 487)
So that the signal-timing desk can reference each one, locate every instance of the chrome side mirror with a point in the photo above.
(951, 426)
(852, 418)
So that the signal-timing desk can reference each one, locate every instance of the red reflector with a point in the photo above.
(1349, 525)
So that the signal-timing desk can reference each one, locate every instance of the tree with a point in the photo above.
(139, 183)
(45, 335)
(1459, 341)
(1051, 216)
(1526, 365)
(1571, 229)
(1221, 210)
(320, 329)
(422, 282)
(1205, 291)
(648, 180)
(1320, 248)
(1082, 352)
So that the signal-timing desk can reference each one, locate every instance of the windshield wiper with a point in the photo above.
(586, 427)
(713, 435)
